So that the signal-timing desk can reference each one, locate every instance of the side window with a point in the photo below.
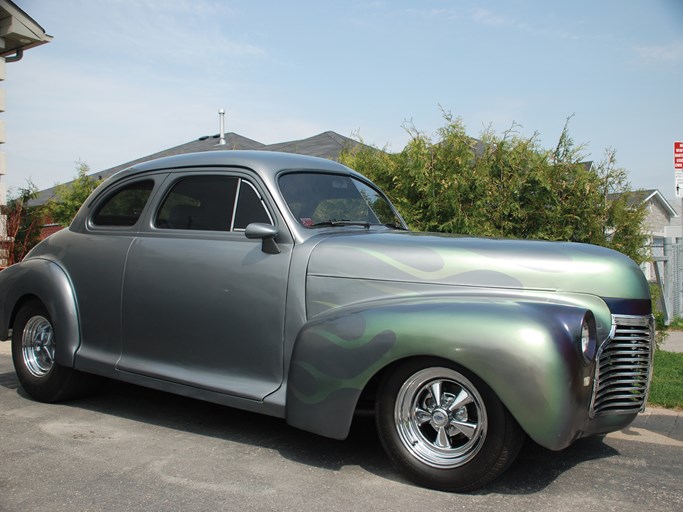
(202, 203)
(250, 207)
(125, 206)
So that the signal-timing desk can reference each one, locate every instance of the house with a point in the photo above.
(659, 219)
(665, 243)
(660, 213)
(18, 33)
(324, 145)
(675, 228)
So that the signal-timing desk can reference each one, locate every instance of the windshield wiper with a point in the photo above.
(394, 226)
(333, 222)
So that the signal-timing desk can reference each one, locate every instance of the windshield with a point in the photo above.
(318, 200)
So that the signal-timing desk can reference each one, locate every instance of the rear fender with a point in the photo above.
(527, 352)
(46, 281)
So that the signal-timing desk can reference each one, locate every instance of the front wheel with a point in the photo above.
(444, 427)
(33, 352)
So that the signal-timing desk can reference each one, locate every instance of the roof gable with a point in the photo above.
(325, 145)
(646, 196)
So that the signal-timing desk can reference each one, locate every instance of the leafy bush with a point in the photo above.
(23, 223)
(70, 197)
(506, 186)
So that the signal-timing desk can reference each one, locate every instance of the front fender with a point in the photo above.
(528, 352)
(45, 280)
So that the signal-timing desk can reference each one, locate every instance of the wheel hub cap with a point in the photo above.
(440, 418)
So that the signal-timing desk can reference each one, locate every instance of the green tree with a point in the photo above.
(23, 223)
(70, 197)
(505, 186)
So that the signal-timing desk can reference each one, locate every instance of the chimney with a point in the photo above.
(221, 115)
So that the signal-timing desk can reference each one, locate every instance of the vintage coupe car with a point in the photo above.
(290, 286)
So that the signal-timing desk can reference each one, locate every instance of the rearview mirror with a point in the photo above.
(266, 233)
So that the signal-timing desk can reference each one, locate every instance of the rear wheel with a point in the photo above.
(33, 353)
(444, 427)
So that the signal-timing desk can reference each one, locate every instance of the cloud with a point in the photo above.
(499, 20)
(64, 110)
(663, 53)
(487, 17)
(154, 31)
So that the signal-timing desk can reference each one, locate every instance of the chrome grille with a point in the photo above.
(622, 374)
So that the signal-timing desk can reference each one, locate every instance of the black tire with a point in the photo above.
(458, 442)
(33, 352)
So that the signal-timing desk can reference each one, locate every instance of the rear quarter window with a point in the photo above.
(124, 206)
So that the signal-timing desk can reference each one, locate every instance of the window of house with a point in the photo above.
(211, 203)
(125, 205)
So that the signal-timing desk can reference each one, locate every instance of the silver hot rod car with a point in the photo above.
(290, 286)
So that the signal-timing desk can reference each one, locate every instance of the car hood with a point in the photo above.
(479, 262)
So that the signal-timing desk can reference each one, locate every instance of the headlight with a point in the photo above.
(588, 335)
(585, 337)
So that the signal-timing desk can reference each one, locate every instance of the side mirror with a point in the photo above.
(266, 233)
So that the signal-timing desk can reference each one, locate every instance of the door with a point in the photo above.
(203, 305)
(95, 260)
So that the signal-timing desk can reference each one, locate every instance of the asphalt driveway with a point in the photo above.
(130, 448)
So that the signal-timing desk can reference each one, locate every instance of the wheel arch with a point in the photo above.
(525, 351)
(45, 281)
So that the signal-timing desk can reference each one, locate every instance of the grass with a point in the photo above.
(676, 324)
(666, 389)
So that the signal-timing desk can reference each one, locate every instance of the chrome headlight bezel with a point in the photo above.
(588, 337)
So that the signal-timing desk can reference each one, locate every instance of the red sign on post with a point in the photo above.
(678, 154)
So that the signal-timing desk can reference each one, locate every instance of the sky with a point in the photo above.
(123, 79)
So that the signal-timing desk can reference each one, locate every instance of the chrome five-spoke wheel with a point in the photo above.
(35, 345)
(440, 417)
(38, 346)
(443, 426)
